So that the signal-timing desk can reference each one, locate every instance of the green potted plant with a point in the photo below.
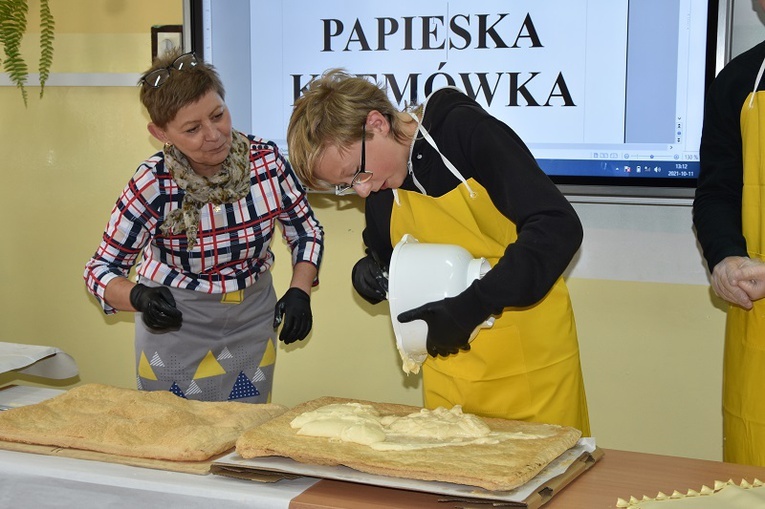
(13, 25)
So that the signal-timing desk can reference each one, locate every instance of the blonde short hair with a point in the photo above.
(180, 89)
(331, 112)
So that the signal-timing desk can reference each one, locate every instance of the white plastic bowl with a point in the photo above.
(420, 273)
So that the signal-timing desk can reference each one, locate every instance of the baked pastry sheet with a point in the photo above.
(129, 423)
(502, 466)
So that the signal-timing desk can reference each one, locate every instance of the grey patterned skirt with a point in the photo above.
(225, 349)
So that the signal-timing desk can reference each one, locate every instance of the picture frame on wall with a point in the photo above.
(165, 38)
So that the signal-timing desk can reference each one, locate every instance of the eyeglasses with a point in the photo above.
(362, 175)
(158, 77)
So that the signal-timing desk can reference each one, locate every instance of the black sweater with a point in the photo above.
(717, 205)
(486, 149)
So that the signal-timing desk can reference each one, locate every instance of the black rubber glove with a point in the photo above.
(370, 279)
(445, 335)
(158, 307)
(295, 309)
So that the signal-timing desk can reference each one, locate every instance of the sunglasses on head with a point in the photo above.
(158, 77)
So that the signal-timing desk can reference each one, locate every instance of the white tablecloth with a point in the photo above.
(39, 481)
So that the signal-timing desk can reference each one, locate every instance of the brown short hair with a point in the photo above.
(331, 112)
(180, 89)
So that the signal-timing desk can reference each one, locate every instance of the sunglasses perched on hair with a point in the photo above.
(362, 175)
(158, 77)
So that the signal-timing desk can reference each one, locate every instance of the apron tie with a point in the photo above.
(756, 82)
(453, 169)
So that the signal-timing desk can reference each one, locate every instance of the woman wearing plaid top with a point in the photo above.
(202, 213)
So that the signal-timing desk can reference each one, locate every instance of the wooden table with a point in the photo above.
(36, 480)
(624, 474)
(619, 474)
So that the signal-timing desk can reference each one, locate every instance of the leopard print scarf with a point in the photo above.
(230, 184)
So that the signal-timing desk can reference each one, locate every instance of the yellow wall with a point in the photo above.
(651, 352)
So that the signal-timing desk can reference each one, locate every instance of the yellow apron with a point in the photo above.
(744, 361)
(526, 366)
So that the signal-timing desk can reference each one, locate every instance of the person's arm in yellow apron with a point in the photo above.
(717, 201)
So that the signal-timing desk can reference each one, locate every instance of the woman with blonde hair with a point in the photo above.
(449, 172)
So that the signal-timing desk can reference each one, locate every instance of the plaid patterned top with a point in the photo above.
(233, 242)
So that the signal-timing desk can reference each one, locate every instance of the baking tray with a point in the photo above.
(553, 478)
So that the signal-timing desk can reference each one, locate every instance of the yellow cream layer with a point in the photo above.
(362, 424)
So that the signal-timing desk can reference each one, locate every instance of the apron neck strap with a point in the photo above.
(756, 84)
(432, 142)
